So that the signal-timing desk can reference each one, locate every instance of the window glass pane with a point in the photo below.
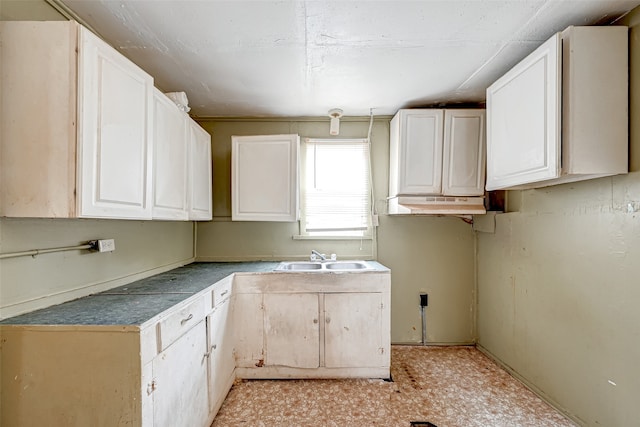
(335, 190)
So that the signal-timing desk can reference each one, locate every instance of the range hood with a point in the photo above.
(436, 205)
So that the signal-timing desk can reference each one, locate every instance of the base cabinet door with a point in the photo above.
(180, 396)
(221, 360)
(353, 330)
(291, 330)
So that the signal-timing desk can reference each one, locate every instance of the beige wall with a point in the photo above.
(559, 287)
(27, 10)
(425, 254)
(142, 248)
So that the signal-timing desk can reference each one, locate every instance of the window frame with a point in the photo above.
(304, 234)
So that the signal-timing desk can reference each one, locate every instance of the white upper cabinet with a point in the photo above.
(561, 114)
(437, 152)
(182, 168)
(200, 173)
(416, 152)
(169, 160)
(115, 115)
(264, 178)
(90, 156)
(463, 158)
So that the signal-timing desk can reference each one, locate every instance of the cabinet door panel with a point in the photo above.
(523, 120)
(170, 160)
(249, 332)
(291, 330)
(201, 170)
(463, 156)
(264, 178)
(421, 152)
(221, 361)
(353, 325)
(180, 373)
(115, 116)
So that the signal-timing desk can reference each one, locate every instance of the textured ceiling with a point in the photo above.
(301, 58)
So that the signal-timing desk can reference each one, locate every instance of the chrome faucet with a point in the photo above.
(317, 254)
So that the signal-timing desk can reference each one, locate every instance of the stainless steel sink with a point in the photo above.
(323, 266)
(347, 265)
(299, 266)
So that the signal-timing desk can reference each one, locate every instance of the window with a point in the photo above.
(335, 188)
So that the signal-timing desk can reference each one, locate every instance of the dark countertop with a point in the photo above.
(139, 301)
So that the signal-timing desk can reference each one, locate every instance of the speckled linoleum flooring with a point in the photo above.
(446, 386)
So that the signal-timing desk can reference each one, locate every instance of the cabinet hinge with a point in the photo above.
(151, 387)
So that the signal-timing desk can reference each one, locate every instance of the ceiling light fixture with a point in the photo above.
(335, 114)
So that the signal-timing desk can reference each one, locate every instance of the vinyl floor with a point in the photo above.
(444, 386)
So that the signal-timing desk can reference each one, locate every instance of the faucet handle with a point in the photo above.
(334, 257)
(313, 257)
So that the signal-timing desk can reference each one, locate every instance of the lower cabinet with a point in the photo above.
(180, 392)
(291, 330)
(353, 328)
(220, 353)
(326, 334)
(176, 368)
(149, 375)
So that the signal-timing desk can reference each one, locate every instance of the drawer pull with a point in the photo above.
(183, 321)
(224, 293)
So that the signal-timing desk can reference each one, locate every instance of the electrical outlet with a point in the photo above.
(106, 245)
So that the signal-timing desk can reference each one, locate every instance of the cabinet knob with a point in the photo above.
(327, 320)
(315, 320)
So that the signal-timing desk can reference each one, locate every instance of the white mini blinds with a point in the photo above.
(335, 187)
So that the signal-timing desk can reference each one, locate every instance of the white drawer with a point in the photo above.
(179, 322)
(222, 291)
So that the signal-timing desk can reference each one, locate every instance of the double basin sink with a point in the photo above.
(323, 266)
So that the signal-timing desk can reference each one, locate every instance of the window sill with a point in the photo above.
(305, 237)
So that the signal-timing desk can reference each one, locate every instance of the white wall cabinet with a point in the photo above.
(169, 160)
(437, 152)
(561, 114)
(92, 152)
(200, 173)
(264, 178)
(115, 113)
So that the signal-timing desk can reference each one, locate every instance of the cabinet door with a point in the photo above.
(169, 160)
(114, 151)
(264, 178)
(201, 173)
(221, 361)
(180, 397)
(523, 120)
(291, 330)
(416, 152)
(463, 159)
(248, 318)
(353, 330)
